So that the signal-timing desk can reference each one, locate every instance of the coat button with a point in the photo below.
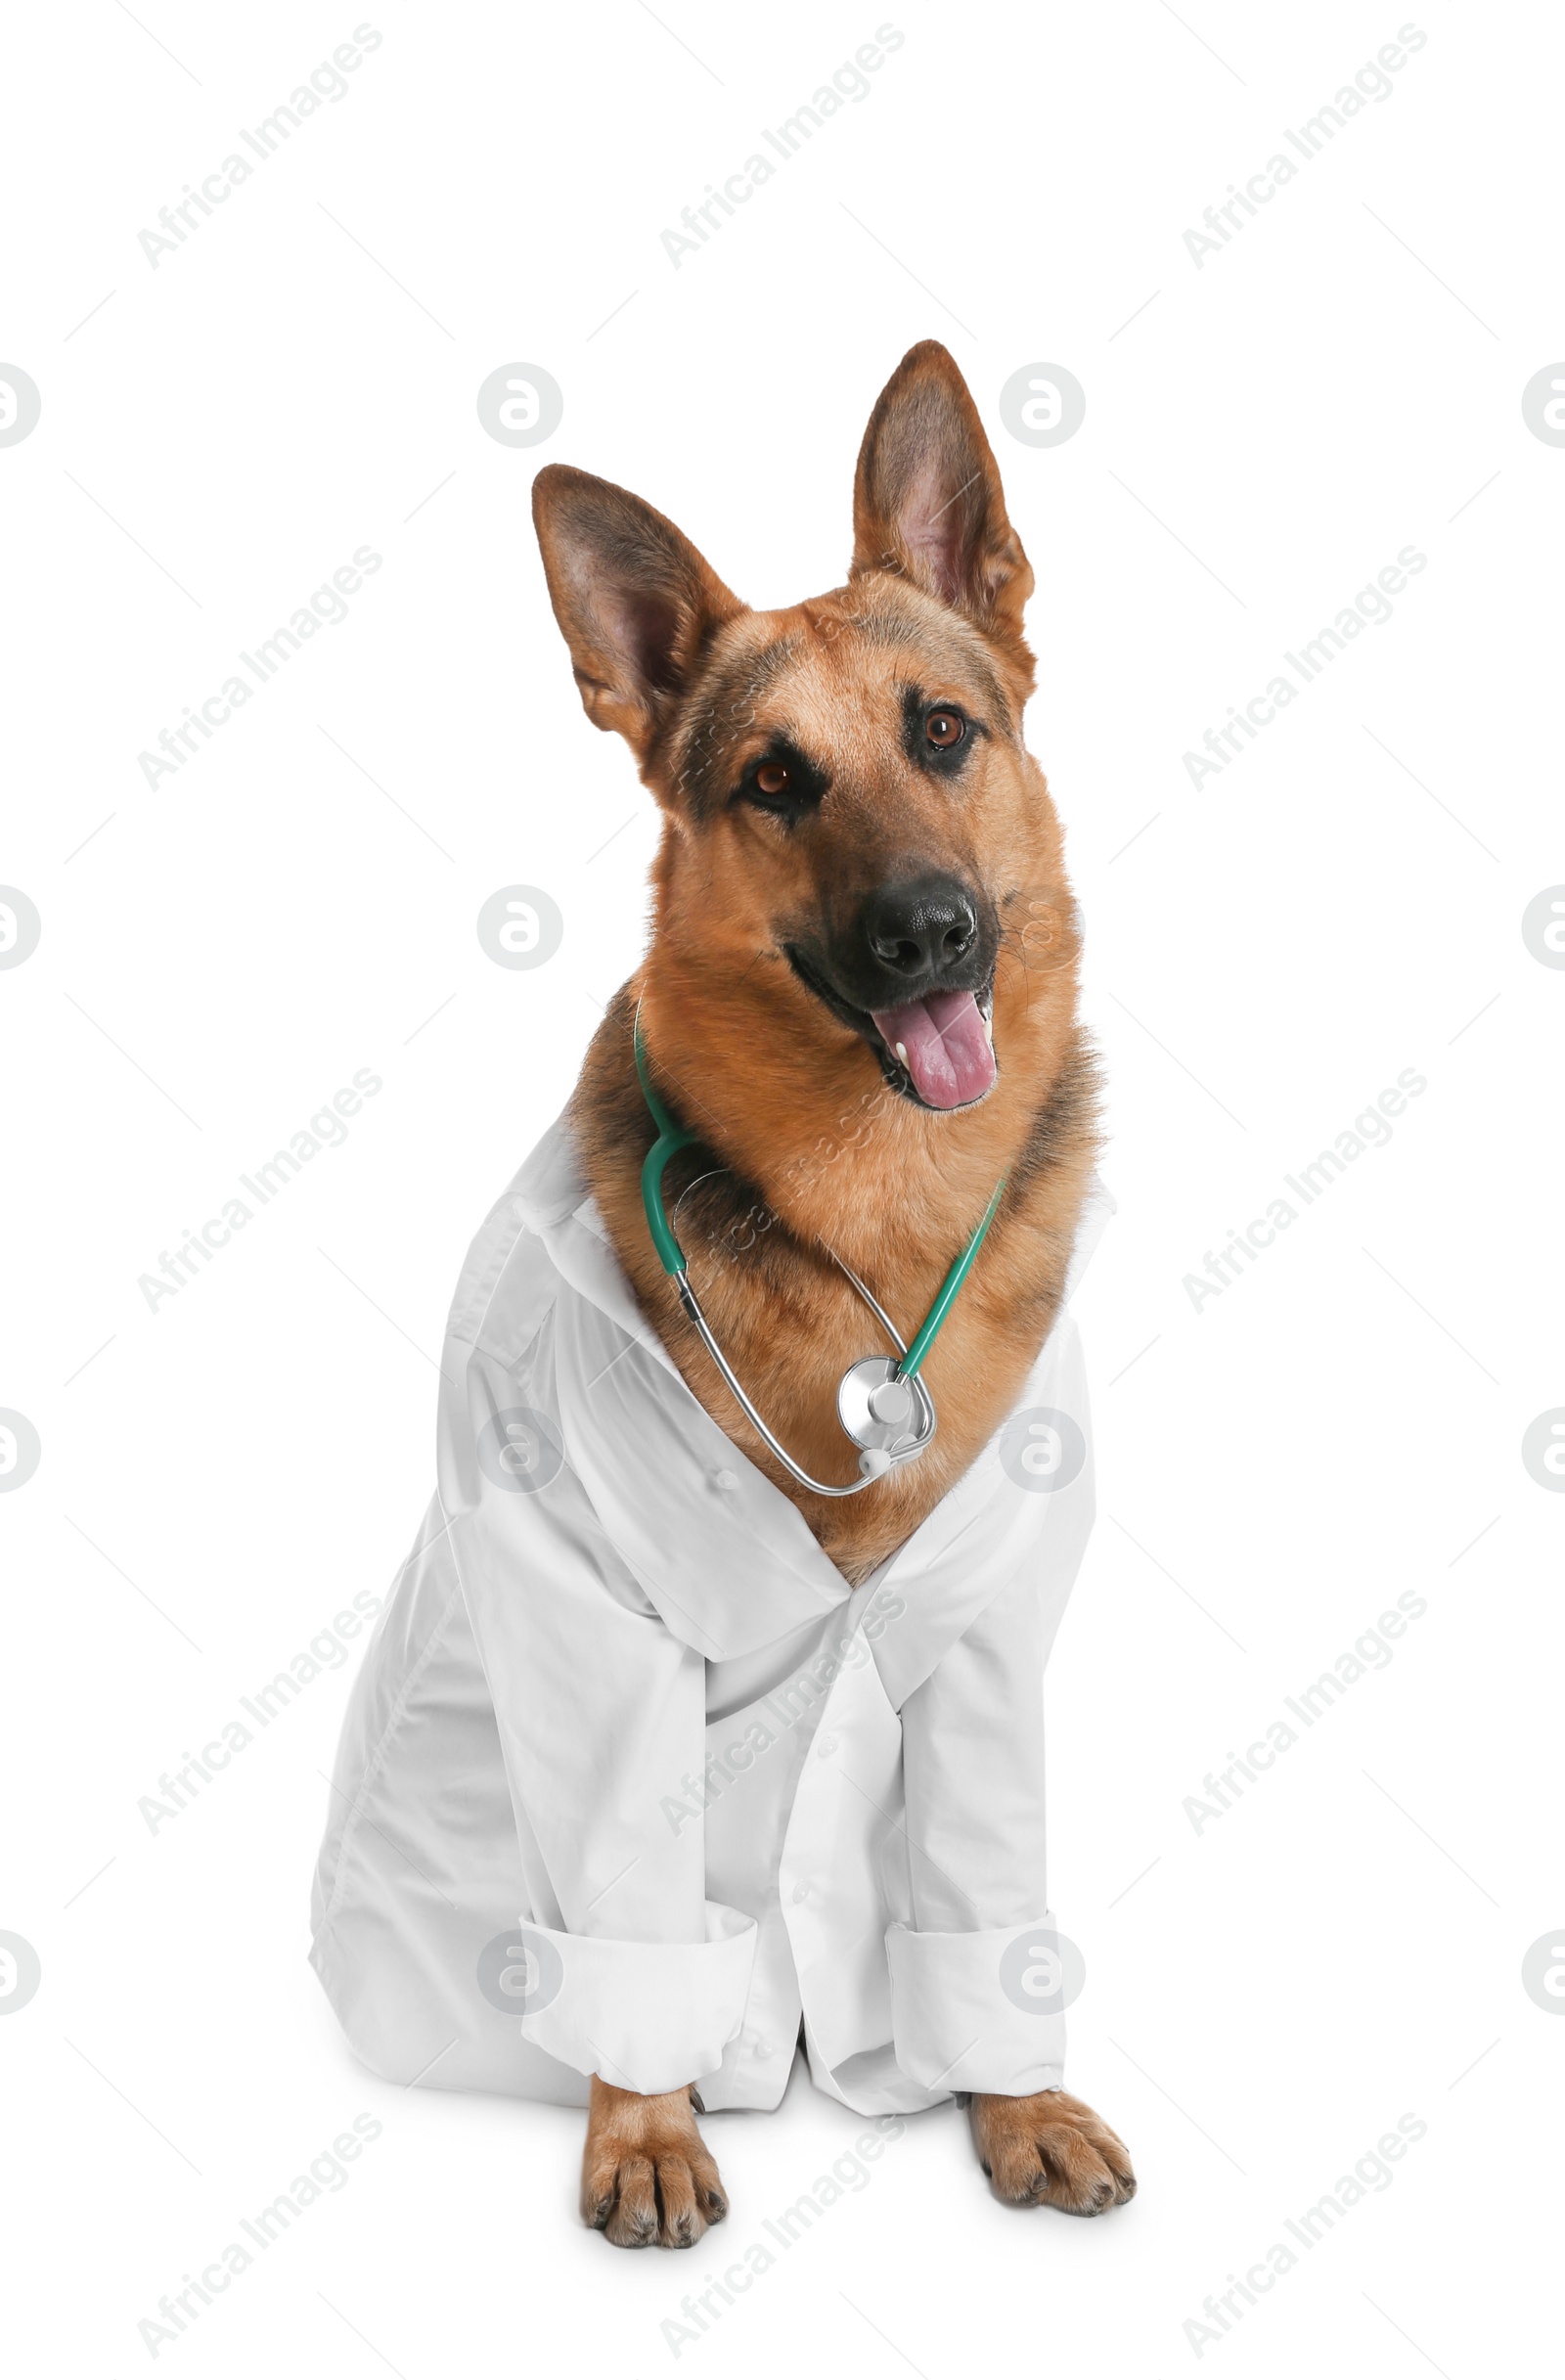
(763, 2049)
(727, 1481)
(801, 1892)
(826, 1746)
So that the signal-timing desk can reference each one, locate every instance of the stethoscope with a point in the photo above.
(882, 1403)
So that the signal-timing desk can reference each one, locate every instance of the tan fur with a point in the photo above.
(647, 2176)
(806, 1154)
(1051, 2150)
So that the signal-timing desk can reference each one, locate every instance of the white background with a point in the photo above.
(1343, 902)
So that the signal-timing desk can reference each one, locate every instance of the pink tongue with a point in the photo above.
(943, 1045)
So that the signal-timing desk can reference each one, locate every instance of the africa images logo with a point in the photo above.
(849, 84)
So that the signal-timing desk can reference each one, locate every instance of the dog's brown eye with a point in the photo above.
(772, 778)
(945, 728)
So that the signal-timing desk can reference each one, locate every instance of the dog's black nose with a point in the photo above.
(920, 929)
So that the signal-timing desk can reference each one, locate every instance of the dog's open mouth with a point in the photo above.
(939, 1051)
(945, 1043)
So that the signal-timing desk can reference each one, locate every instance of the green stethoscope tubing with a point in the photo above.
(924, 1336)
(673, 1136)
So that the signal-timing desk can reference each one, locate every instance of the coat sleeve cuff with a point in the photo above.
(648, 2016)
(982, 2011)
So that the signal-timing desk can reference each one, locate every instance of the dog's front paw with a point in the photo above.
(1051, 2150)
(648, 2178)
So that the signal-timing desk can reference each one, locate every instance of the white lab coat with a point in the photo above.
(631, 1780)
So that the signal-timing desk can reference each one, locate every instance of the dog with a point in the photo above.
(858, 1004)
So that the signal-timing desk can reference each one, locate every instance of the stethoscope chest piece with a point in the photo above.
(883, 1412)
(882, 1402)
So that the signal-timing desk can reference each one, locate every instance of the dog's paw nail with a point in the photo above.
(632, 2231)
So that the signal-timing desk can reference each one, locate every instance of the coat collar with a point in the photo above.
(726, 1559)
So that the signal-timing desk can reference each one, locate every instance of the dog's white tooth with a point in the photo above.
(902, 1051)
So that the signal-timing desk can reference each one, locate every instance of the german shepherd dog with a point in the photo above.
(860, 991)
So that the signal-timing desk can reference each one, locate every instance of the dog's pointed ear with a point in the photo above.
(927, 501)
(635, 602)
